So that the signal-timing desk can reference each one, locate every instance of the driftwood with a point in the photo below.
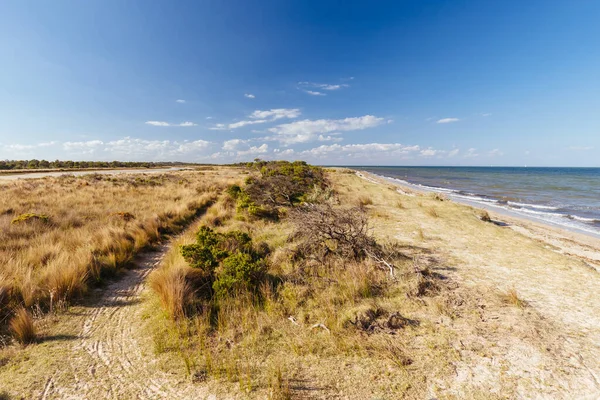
(320, 325)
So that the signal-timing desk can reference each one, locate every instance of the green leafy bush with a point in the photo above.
(239, 271)
(229, 260)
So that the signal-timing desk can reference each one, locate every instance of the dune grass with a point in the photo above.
(59, 235)
(263, 343)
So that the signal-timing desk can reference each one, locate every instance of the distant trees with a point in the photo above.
(68, 164)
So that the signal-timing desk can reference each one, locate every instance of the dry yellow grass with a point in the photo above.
(59, 234)
(408, 338)
(305, 328)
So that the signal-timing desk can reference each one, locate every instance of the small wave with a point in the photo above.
(536, 206)
(475, 198)
(549, 214)
(583, 219)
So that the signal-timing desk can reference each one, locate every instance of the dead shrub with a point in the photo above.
(324, 231)
(327, 234)
(22, 326)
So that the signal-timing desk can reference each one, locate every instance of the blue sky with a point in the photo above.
(397, 83)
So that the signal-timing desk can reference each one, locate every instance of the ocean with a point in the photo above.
(566, 197)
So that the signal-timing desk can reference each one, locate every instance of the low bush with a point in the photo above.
(229, 261)
(279, 184)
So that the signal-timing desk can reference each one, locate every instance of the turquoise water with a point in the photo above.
(569, 197)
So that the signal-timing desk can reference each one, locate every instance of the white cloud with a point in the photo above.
(276, 113)
(495, 152)
(218, 127)
(249, 96)
(129, 148)
(365, 149)
(329, 138)
(157, 123)
(429, 152)
(209, 117)
(453, 153)
(486, 114)
(163, 123)
(262, 149)
(472, 152)
(239, 124)
(232, 145)
(315, 93)
(308, 130)
(447, 120)
(180, 101)
(261, 117)
(323, 86)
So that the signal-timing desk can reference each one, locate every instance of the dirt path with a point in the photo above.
(101, 352)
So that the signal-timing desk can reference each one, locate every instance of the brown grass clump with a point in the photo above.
(22, 327)
(433, 212)
(439, 197)
(511, 297)
(365, 201)
(172, 290)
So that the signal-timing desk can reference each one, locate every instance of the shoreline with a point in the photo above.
(565, 240)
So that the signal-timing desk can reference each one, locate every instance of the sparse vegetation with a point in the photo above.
(512, 297)
(433, 212)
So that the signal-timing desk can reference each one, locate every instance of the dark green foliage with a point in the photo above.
(229, 260)
(239, 271)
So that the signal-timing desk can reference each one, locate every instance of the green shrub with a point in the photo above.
(229, 260)
(239, 271)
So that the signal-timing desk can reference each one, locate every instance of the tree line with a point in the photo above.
(44, 164)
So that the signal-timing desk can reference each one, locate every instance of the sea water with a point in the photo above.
(567, 197)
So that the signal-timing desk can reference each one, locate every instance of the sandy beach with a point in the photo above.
(554, 271)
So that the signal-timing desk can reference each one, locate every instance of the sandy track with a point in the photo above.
(111, 358)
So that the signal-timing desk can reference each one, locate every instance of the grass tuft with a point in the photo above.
(512, 297)
(22, 327)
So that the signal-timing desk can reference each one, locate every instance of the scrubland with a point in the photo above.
(300, 282)
(59, 236)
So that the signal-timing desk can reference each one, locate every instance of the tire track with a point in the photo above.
(111, 358)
